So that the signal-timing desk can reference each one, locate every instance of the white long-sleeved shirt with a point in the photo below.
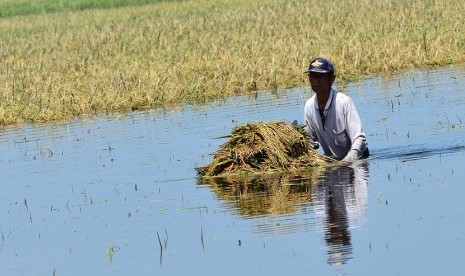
(339, 130)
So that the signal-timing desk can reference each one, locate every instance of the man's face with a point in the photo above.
(321, 82)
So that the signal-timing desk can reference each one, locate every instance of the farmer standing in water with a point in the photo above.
(331, 119)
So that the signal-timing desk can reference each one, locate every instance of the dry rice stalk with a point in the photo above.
(262, 148)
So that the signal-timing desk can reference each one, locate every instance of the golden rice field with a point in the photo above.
(59, 65)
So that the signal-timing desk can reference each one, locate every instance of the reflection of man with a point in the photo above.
(340, 200)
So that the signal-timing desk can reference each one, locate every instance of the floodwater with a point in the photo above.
(118, 195)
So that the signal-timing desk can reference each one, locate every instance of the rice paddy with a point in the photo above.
(80, 62)
(120, 193)
(10, 8)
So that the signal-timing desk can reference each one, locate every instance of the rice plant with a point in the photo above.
(71, 61)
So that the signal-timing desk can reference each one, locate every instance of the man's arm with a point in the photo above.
(312, 140)
(355, 132)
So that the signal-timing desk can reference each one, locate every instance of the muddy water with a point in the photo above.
(118, 195)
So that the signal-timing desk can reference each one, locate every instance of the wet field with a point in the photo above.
(118, 195)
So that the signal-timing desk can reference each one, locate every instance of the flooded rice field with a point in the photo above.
(118, 195)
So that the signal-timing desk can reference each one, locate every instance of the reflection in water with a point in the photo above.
(264, 195)
(340, 199)
(338, 195)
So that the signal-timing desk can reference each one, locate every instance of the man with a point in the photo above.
(331, 119)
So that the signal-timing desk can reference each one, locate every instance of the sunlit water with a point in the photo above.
(118, 195)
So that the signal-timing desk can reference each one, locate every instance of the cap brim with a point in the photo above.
(318, 70)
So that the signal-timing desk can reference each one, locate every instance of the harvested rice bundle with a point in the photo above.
(264, 147)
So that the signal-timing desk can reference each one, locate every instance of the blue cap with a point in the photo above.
(320, 65)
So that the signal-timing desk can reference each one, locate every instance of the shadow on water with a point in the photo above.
(337, 194)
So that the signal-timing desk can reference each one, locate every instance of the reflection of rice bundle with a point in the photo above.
(265, 194)
(264, 147)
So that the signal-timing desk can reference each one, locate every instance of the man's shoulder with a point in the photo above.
(341, 95)
(342, 98)
(310, 106)
(310, 101)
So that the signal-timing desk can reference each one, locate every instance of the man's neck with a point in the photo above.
(323, 99)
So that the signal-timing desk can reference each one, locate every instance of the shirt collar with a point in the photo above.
(330, 99)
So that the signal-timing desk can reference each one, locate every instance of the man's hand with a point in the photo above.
(351, 156)
(294, 124)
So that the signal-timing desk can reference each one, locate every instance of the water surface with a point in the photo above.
(118, 195)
